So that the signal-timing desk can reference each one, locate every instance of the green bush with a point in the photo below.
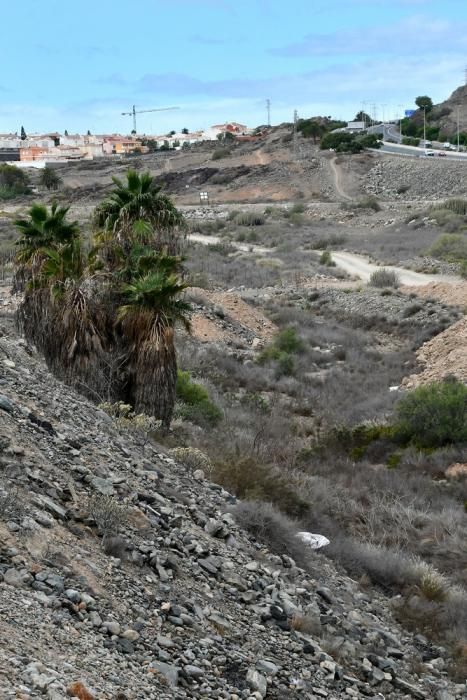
(369, 202)
(13, 182)
(370, 141)
(410, 141)
(194, 402)
(281, 350)
(326, 259)
(433, 415)
(298, 208)
(456, 204)
(250, 218)
(220, 153)
(340, 141)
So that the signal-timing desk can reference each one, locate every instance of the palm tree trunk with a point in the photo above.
(154, 381)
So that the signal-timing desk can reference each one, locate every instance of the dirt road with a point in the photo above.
(361, 267)
(356, 265)
(337, 182)
(214, 240)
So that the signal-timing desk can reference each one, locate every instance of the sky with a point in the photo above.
(79, 65)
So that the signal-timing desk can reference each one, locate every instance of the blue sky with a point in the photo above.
(78, 65)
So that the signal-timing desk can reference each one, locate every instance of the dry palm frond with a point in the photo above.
(147, 322)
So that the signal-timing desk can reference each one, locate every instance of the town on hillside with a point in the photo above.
(35, 150)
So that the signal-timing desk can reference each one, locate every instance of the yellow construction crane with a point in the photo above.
(135, 111)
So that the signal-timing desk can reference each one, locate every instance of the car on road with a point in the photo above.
(428, 152)
(442, 154)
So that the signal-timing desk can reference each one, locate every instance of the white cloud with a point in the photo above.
(407, 37)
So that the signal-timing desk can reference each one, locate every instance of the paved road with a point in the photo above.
(361, 267)
(391, 133)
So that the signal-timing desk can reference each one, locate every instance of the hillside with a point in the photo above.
(177, 601)
(445, 114)
(154, 563)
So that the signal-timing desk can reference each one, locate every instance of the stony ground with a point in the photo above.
(176, 601)
(395, 177)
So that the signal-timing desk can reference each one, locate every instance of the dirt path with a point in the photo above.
(361, 267)
(337, 184)
(214, 240)
(356, 265)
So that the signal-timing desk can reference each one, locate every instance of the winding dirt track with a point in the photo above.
(361, 267)
(356, 265)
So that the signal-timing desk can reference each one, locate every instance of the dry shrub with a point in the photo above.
(384, 278)
(256, 481)
(306, 624)
(107, 513)
(276, 530)
(11, 507)
(192, 458)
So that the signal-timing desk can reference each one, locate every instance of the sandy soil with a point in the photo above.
(454, 294)
(444, 355)
(236, 310)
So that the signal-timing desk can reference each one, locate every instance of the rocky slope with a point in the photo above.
(446, 113)
(416, 179)
(176, 601)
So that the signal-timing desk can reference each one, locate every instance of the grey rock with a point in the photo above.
(194, 671)
(6, 404)
(73, 595)
(257, 682)
(50, 505)
(169, 671)
(17, 578)
(412, 690)
(102, 486)
(267, 667)
(112, 627)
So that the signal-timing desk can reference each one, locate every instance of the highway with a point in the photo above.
(391, 133)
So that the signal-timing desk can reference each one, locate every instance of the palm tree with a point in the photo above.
(50, 178)
(43, 229)
(147, 323)
(136, 210)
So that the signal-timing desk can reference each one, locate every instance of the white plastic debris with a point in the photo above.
(314, 541)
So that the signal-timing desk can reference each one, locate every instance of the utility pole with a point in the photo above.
(458, 108)
(295, 134)
(363, 115)
(382, 107)
(400, 121)
(268, 107)
(424, 125)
